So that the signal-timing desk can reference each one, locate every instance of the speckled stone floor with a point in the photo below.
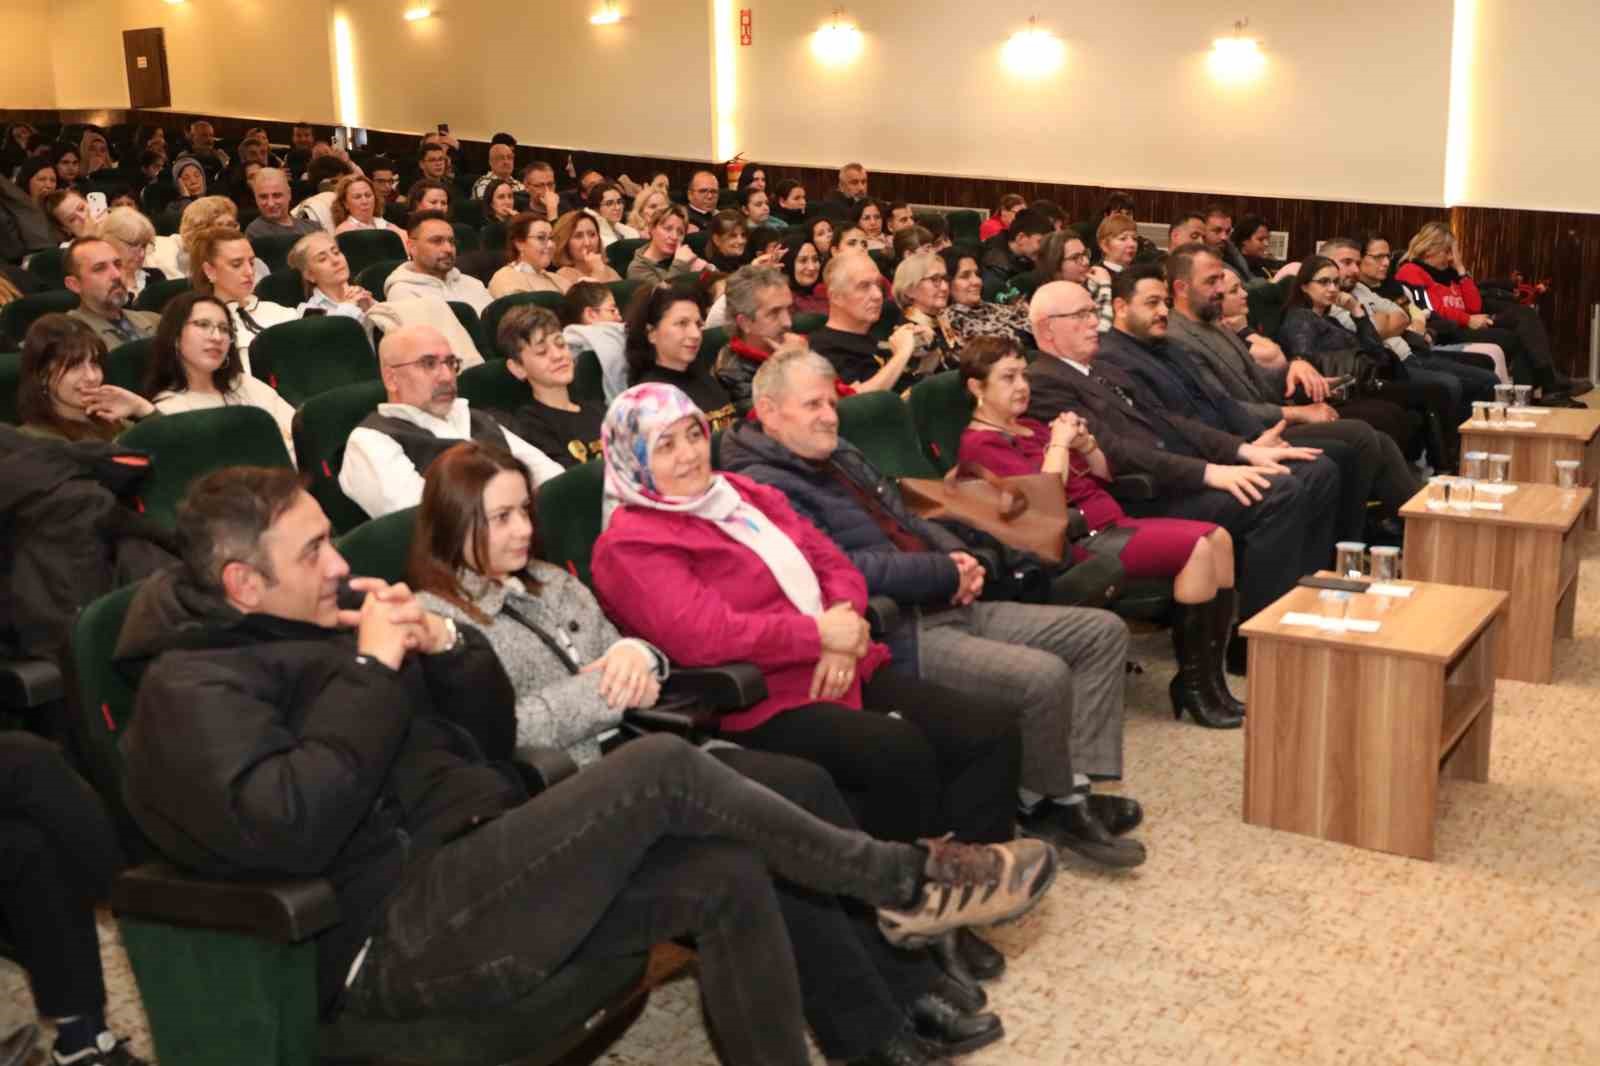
(1238, 945)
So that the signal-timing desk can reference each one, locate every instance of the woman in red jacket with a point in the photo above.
(1198, 556)
(1436, 280)
(714, 568)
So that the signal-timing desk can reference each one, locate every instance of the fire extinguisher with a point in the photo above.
(735, 168)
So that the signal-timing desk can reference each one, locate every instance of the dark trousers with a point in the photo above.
(1288, 533)
(1526, 367)
(657, 840)
(1524, 323)
(58, 853)
(1370, 465)
(948, 764)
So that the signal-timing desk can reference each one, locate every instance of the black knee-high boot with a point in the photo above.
(1192, 688)
(1222, 620)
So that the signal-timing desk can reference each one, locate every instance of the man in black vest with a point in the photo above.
(390, 451)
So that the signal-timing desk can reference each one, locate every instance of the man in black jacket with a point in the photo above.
(1284, 521)
(1060, 668)
(267, 744)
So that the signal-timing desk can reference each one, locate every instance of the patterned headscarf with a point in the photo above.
(634, 424)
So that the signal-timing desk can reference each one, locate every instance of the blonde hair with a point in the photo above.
(89, 136)
(911, 272)
(1432, 237)
(202, 246)
(340, 212)
(128, 225)
(300, 253)
(641, 200)
(205, 213)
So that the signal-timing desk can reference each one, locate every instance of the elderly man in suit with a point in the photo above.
(1284, 521)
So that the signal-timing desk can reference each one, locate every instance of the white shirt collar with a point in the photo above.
(1082, 368)
(457, 427)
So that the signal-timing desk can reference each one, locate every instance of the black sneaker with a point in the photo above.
(106, 1050)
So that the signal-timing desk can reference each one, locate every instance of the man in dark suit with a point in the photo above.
(1283, 520)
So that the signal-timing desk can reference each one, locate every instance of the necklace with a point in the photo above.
(1018, 431)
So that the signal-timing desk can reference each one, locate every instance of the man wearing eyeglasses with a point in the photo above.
(390, 451)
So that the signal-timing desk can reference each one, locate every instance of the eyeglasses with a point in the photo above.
(431, 363)
(221, 329)
(1384, 258)
(385, 181)
(1081, 257)
(1082, 315)
(1330, 282)
(938, 279)
(611, 201)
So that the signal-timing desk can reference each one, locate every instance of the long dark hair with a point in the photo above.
(1308, 270)
(451, 516)
(165, 371)
(645, 312)
(54, 344)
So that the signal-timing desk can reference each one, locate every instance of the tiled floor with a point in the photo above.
(1236, 945)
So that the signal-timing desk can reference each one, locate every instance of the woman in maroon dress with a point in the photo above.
(1197, 556)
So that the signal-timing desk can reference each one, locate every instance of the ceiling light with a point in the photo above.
(609, 15)
(1033, 51)
(837, 41)
(418, 13)
(1238, 57)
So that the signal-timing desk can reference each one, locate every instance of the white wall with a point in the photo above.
(1132, 105)
(1534, 141)
(26, 77)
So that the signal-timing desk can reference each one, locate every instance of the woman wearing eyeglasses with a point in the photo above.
(606, 207)
(195, 365)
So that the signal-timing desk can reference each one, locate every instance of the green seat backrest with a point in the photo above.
(468, 318)
(282, 286)
(620, 253)
(879, 423)
(125, 364)
(964, 225)
(492, 236)
(890, 317)
(18, 315)
(622, 291)
(588, 380)
(697, 241)
(187, 446)
(466, 238)
(940, 411)
(274, 250)
(156, 294)
(362, 248)
(100, 700)
(727, 198)
(312, 355)
(1027, 283)
(809, 323)
(487, 345)
(712, 341)
(466, 210)
(45, 265)
(569, 517)
(379, 547)
(492, 386)
(321, 427)
(1268, 300)
(372, 278)
(10, 376)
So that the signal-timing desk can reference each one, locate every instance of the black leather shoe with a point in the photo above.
(902, 1049)
(1073, 827)
(945, 1030)
(1118, 814)
(957, 982)
(984, 961)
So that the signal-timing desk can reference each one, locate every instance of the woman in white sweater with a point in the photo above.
(194, 365)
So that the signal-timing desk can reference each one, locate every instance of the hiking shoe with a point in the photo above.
(971, 884)
(106, 1050)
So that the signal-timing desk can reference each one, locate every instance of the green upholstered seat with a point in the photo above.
(283, 286)
(808, 324)
(622, 291)
(492, 236)
(964, 225)
(321, 427)
(378, 547)
(312, 355)
(10, 375)
(45, 265)
(620, 253)
(125, 364)
(490, 319)
(468, 317)
(588, 380)
(879, 423)
(362, 248)
(374, 275)
(1267, 301)
(467, 239)
(466, 210)
(157, 294)
(492, 387)
(569, 516)
(274, 250)
(712, 341)
(19, 314)
(940, 411)
(184, 447)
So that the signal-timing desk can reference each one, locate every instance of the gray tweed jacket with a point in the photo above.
(554, 706)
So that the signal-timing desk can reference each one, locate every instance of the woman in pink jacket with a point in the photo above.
(714, 568)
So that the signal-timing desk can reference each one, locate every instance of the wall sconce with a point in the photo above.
(608, 15)
(837, 42)
(418, 12)
(1033, 52)
(1236, 58)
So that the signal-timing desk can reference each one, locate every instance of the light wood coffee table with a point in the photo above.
(1564, 433)
(1530, 550)
(1348, 733)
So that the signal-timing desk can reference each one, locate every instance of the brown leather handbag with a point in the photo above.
(1027, 512)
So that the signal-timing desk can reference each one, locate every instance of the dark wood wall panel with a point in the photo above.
(1564, 247)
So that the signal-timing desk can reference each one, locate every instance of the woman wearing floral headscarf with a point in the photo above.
(712, 568)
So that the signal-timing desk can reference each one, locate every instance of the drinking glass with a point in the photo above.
(1333, 604)
(1385, 562)
(1472, 464)
(1524, 395)
(1567, 473)
(1505, 394)
(1499, 467)
(1480, 410)
(1350, 558)
(1497, 414)
(1461, 493)
(1438, 493)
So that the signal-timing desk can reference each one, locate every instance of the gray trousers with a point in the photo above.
(1059, 668)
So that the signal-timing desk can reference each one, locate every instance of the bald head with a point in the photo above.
(405, 356)
(1065, 321)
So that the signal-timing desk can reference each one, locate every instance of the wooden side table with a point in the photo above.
(1348, 733)
(1530, 550)
(1564, 433)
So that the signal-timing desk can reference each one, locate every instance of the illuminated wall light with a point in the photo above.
(1238, 58)
(1458, 127)
(174, 2)
(1033, 52)
(609, 15)
(725, 87)
(344, 71)
(837, 42)
(418, 13)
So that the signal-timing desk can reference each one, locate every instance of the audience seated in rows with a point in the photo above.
(1117, 240)
(223, 265)
(530, 249)
(62, 393)
(579, 252)
(760, 308)
(969, 315)
(666, 255)
(664, 334)
(93, 269)
(552, 421)
(591, 322)
(431, 270)
(132, 235)
(323, 267)
(855, 303)
(922, 291)
(356, 207)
